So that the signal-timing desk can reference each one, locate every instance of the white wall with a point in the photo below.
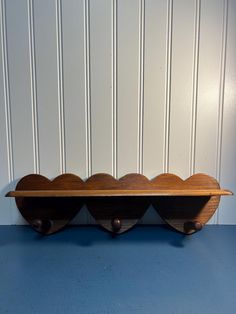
(117, 86)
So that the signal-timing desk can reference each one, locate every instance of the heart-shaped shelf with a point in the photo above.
(48, 215)
(117, 205)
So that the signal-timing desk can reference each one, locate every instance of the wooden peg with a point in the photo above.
(193, 225)
(116, 224)
(42, 225)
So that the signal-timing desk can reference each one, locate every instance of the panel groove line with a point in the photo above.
(33, 86)
(141, 84)
(88, 117)
(61, 112)
(87, 89)
(227, 213)
(195, 85)
(168, 84)
(209, 76)
(141, 88)
(221, 97)
(114, 88)
(7, 93)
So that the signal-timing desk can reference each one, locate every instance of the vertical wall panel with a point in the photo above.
(154, 86)
(155, 27)
(47, 86)
(5, 177)
(73, 56)
(181, 87)
(128, 85)
(74, 85)
(100, 75)
(19, 90)
(5, 203)
(228, 174)
(208, 87)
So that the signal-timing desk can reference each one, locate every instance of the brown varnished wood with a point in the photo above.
(117, 205)
(111, 193)
(59, 211)
(37, 182)
(69, 185)
(127, 210)
(182, 213)
(52, 213)
(179, 212)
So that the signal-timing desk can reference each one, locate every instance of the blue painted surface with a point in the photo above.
(148, 270)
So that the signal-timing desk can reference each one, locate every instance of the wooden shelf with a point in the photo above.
(118, 204)
(112, 193)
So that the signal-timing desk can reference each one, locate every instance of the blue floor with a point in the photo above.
(147, 270)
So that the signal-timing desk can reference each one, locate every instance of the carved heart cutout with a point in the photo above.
(50, 214)
(186, 213)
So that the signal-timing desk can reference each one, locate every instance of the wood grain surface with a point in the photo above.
(117, 205)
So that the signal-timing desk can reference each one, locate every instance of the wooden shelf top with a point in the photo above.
(110, 193)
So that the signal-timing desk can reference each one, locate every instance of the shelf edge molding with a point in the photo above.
(111, 193)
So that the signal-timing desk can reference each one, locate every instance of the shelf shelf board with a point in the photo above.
(113, 193)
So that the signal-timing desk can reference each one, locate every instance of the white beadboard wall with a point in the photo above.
(117, 86)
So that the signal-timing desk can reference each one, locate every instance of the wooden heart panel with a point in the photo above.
(51, 214)
(117, 214)
(186, 214)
